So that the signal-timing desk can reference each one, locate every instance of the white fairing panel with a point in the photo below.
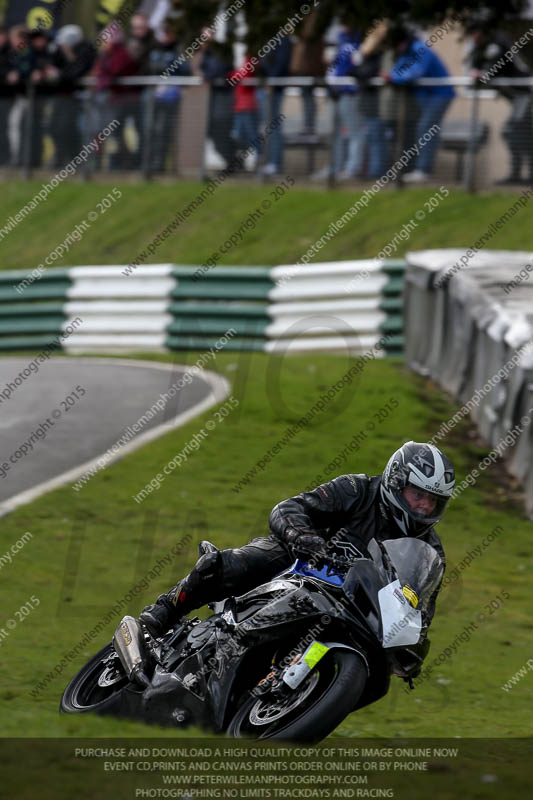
(402, 624)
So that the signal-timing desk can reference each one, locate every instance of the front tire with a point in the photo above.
(84, 693)
(317, 707)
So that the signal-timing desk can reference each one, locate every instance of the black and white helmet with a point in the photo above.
(416, 486)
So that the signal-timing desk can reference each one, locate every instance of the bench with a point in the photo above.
(455, 137)
(311, 142)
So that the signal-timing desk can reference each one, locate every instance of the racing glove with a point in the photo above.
(304, 544)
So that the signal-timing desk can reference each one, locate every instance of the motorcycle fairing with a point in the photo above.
(271, 621)
(182, 690)
(325, 573)
(201, 690)
(294, 674)
(402, 624)
(361, 586)
(294, 602)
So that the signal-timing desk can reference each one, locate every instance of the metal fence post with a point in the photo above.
(87, 117)
(470, 168)
(335, 135)
(147, 100)
(27, 128)
(401, 131)
(269, 119)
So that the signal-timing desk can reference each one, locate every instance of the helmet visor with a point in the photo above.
(423, 505)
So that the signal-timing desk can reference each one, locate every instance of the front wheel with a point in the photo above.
(311, 711)
(97, 686)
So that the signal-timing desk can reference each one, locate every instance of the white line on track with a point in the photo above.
(220, 390)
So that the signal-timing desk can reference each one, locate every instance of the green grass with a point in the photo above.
(282, 235)
(89, 548)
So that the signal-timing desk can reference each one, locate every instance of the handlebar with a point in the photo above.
(339, 562)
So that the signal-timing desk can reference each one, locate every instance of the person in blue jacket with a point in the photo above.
(414, 60)
(348, 149)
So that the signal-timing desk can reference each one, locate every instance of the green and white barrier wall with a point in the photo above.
(328, 306)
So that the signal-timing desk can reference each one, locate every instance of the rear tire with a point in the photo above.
(83, 693)
(339, 680)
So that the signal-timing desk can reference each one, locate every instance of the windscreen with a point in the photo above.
(417, 564)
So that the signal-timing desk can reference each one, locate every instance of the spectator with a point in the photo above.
(414, 60)
(348, 147)
(6, 94)
(22, 62)
(74, 59)
(215, 61)
(366, 64)
(113, 101)
(307, 61)
(43, 75)
(164, 56)
(488, 47)
(275, 64)
(21, 57)
(140, 42)
(245, 108)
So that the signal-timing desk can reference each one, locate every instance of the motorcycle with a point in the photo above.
(288, 660)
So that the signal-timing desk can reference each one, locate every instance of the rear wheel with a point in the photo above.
(312, 710)
(97, 686)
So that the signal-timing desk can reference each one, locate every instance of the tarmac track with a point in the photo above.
(70, 429)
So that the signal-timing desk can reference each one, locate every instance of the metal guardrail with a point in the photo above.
(467, 149)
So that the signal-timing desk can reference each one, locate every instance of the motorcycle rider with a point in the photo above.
(406, 500)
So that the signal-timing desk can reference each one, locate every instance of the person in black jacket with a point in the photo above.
(73, 60)
(214, 62)
(491, 57)
(164, 59)
(21, 65)
(6, 94)
(407, 500)
(41, 58)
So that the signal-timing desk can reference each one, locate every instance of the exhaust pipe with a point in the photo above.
(129, 644)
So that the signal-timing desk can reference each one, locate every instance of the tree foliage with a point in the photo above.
(266, 17)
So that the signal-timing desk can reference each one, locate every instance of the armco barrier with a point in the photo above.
(471, 329)
(327, 306)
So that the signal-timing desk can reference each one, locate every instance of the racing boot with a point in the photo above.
(165, 613)
(198, 588)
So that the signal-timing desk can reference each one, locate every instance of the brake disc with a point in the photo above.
(263, 713)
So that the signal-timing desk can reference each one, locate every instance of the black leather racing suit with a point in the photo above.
(349, 504)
